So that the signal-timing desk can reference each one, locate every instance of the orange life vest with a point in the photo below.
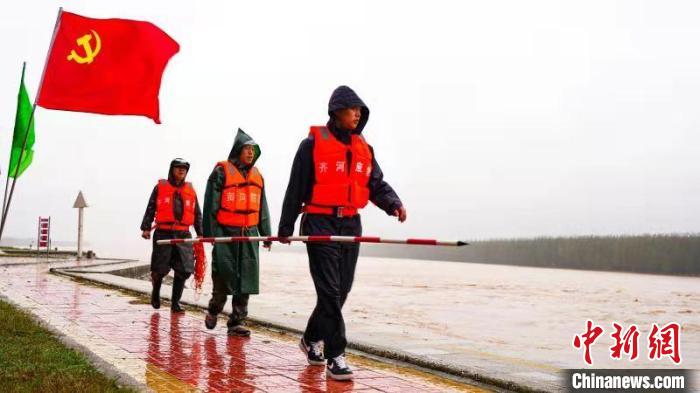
(342, 174)
(165, 214)
(241, 197)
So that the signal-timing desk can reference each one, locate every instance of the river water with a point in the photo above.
(453, 311)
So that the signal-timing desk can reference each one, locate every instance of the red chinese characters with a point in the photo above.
(628, 344)
(592, 333)
(665, 342)
(662, 342)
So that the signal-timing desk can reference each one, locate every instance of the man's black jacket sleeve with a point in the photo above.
(299, 187)
(380, 192)
(150, 213)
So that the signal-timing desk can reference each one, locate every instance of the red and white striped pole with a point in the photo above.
(341, 239)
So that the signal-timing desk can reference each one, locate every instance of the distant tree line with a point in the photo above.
(661, 254)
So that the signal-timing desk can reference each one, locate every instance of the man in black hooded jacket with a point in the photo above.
(334, 174)
(174, 206)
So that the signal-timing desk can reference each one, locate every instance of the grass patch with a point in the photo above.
(33, 360)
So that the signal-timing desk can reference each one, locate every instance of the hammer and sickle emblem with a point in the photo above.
(90, 53)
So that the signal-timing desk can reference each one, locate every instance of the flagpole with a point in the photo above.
(48, 52)
(29, 124)
(7, 182)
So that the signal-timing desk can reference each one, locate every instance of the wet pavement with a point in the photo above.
(160, 351)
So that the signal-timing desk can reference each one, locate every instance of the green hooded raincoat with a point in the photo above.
(235, 267)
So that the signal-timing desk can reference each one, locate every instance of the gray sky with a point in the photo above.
(490, 119)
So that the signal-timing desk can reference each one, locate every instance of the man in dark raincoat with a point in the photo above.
(235, 205)
(333, 176)
(174, 206)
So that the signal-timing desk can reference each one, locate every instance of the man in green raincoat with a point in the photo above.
(235, 205)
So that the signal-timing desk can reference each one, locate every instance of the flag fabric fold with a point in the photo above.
(22, 119)
(106, 66)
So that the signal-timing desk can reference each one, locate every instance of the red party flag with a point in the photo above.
(108, 66)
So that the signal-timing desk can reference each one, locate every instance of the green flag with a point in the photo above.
(24, 113)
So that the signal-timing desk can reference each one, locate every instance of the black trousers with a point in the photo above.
(179, 257)
(332, 267)
(239, 306)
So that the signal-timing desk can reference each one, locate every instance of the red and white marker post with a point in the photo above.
(43, 235)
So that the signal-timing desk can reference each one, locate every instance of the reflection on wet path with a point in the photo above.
(174, 352)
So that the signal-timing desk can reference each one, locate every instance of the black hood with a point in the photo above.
(345, 97)
(173, 164)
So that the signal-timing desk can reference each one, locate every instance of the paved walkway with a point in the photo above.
(160, 351)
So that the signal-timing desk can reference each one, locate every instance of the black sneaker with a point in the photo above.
(337, 369)
(238, 331)
(210, 321)
(313, 352)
